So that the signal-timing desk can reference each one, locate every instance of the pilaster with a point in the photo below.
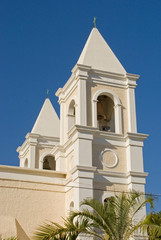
(61, 122)
(81, 74)
(82, 178)
(134, 154)
(83, 149)
(32, 152)
(131, 108)
(82, 99)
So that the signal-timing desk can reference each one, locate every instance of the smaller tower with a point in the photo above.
(35, 152)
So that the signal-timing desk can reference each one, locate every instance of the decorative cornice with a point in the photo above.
(66, 86)
(133, 77)
(137, 174)
(83, 72)
(136, 136)
(83, 168)
(97, 171)
(29, 171)
(82, 67)
(133, 139)
(35, 139)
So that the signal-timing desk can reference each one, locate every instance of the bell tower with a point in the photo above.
(35, 151)
(100, 148)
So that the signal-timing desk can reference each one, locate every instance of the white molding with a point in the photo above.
(109, 173)
(131, 76)
(37, 139)
(83, 168)
(133, 139)
(108, 82)
(66, 95)
(66, 86)
(109, 93)
(32, 175)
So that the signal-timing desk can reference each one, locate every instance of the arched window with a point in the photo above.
(26, 163)
(49, 163)
(105, 200)
(108, 199)
(105, 113)
(71, 206)
(71, 115)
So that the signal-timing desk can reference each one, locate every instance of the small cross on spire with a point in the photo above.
(47, 93)
(94, 22)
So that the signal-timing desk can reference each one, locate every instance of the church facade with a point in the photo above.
(92, 151)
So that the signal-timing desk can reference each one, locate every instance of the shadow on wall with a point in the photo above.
(20, 232)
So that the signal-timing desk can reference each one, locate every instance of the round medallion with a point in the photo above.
(109, 158)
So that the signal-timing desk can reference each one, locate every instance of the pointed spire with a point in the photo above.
(47, 123)
(97, 54)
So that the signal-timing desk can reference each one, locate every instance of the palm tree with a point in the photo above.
(70, 231)
(153, 224)
(113, 220)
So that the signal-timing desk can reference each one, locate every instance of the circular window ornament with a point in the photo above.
(108, 158)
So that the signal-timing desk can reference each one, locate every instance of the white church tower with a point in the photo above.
(99, 148)
(95, 144)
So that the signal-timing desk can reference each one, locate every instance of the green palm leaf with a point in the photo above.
(113, 220)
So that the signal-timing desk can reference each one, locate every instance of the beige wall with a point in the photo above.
(31, 204)
(69, 198)
(108, 189)
(120, 151)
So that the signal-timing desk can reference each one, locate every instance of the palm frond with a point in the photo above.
(111, 221)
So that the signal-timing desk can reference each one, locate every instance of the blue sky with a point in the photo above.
(40, 42)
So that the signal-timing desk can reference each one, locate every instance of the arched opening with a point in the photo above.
(105, 200)
(71, 115)
(71, 206)
(108, 199)
(105, 113)
(113, 108)
(26, 163)
(49, 163)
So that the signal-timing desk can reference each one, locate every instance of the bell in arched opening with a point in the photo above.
(46, 164)
(49, 163)
(105, 113)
